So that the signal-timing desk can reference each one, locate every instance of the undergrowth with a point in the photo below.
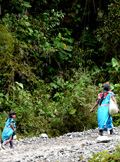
(106, 156)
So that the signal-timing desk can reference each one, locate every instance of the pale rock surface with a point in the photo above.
(103, 139)
(71, 147)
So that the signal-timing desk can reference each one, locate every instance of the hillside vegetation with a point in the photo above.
(55, 56)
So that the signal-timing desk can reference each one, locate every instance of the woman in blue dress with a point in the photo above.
(9, 130)
(104, 119)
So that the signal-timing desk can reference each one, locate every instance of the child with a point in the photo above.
(9, 130)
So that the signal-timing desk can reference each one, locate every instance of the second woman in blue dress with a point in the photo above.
(104, 119)
(9, 130)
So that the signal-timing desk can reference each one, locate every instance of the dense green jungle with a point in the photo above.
(55, 57)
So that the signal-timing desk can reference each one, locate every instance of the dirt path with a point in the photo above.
(72, 147)
(32, 151)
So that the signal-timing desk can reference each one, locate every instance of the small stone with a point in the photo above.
(16, 160)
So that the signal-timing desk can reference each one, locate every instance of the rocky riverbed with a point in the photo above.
(71, 147)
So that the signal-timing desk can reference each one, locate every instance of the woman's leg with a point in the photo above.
(111, 131)
(5, 142)
(109, 124)
(101, 132)
(10, 139)
(11, 143)
(102, 116)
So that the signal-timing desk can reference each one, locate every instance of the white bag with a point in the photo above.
(113, 109)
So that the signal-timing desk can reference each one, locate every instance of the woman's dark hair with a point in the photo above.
(107, 87)
(11, 113)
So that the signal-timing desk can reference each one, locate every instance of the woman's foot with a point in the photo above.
(4, 144)
(11, 145)
(101, 132)
(111, 131)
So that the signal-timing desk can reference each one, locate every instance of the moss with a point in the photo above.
(6, 42)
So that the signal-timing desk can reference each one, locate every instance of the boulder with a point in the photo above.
(103, 139)
(44, 136)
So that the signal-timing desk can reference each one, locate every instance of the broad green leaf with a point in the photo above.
(76, 11)
(73, 111)
(19, 84)
(25, 17)
(16, 1)
(27, 23)
(13, 87)
(71, 40)
(114, 62)
(1, 94)
(26, 4)
(47, 44)
(59, 35)
(30, 30)
(79, 19)
(58, 44)
(69, 48)
(19, 8)
(78, 5)
(53, 85)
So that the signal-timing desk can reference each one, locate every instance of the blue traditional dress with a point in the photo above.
(8, 131)
(104, 119)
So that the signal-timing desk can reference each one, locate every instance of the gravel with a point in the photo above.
(71, 147)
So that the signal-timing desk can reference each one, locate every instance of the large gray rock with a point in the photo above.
(103, 139)
(44, 137)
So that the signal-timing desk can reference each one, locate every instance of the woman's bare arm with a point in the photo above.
(96, 103)
(113, 98)
(11, 124)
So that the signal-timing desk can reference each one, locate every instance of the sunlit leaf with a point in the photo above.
(73, 111)
(19, 84)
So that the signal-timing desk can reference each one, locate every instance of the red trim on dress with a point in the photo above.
(105, 95)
